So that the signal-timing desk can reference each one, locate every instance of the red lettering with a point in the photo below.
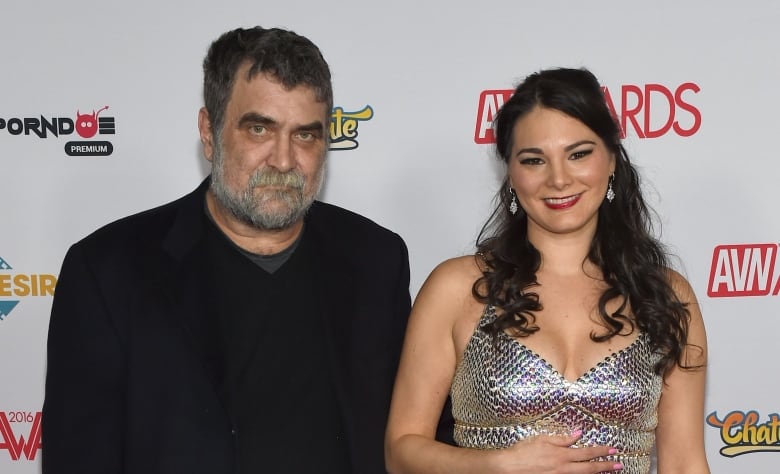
(612, 110)
(17, 447)
(637, 105)
(630, 114)
(688, 108)
(649, 89)
(742, 270)
(490, 102)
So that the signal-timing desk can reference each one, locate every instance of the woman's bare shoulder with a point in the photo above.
(453, 278)
(681, 286)
(458, 270)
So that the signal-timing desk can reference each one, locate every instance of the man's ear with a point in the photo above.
(206, 135)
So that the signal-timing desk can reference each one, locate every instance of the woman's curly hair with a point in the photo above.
(633, 263)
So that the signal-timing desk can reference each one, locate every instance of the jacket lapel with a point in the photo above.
(336, 301)
(186, 283)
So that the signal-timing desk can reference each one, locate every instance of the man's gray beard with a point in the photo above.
(252, 210)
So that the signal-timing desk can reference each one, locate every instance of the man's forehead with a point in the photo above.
(247, 75)
(244, 81)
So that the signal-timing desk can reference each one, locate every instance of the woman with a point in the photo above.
(567, 328)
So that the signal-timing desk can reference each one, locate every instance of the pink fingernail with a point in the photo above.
(613, 451)
(576, 432)
(617, 466)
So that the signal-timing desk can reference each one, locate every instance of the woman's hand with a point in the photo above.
(553, 454)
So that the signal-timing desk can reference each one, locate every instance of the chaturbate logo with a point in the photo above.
(743, 270)
(742, 433)
(639, 109)
(344, 127)
(86, 126)
(20, 285)
(19, 446)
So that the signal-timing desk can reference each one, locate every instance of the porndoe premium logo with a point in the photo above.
(20, 434)
(638, 109)
(85, 125)
(743, 270)
(20, 285)
(344, 127)
(743, 433)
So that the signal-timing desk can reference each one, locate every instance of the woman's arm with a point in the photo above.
(680, 431)
(442, 309)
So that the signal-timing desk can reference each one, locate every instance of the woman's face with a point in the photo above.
(559, 169)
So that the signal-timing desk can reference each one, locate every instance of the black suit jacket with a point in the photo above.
(129, 385)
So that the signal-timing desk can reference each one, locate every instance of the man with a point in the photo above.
(246, 327)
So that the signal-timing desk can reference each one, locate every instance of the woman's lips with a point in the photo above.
(562, 203)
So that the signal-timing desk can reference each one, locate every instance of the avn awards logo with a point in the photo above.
(20, 285)
(344, 127)
(20, 434)
(743, 270)
(638, 107)
(742, 433)
(85, 125)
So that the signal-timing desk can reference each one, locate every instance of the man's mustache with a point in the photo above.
(270, 177)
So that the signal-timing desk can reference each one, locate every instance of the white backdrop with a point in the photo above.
(418, 167)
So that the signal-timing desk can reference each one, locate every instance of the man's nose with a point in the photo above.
(282, 155)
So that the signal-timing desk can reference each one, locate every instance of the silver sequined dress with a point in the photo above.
(503, 392)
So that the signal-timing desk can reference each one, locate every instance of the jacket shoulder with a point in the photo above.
(348, 225)
(147, 227)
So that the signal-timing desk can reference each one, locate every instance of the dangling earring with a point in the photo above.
(610, 191)
(513, 204)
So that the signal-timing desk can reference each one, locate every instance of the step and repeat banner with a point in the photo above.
(98, 120)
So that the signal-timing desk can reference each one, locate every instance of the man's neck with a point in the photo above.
(248, 237)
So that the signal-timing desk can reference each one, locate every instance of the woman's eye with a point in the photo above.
(581, 154)
(531, 161)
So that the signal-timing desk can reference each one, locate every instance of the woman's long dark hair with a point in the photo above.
(633, 263)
